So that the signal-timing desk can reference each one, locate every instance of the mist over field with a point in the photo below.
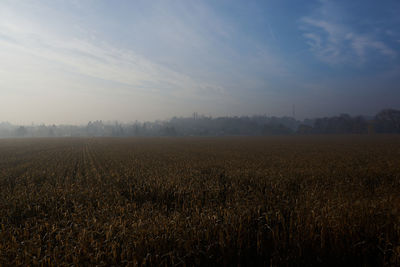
(71, 62)
(385, 122)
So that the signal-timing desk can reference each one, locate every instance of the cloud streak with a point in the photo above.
(185, 54)
(334, 42)
(101, 61)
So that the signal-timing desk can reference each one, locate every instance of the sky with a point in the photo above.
(70, 62)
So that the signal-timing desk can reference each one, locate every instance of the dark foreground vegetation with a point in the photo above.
(325, 201)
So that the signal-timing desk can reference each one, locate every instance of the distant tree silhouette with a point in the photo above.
(342, 124)
(21, 131)
(387, 121)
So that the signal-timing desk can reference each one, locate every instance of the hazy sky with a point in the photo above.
(75, 61)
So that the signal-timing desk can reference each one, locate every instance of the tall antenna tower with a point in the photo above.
(293, 111)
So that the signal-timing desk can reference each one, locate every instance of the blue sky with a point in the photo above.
(75, 61)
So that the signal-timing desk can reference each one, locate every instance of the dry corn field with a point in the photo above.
(265, 201)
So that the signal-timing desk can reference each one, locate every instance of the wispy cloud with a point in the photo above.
(97, 60)
(336, 42)
(54, 66)
(190, 51)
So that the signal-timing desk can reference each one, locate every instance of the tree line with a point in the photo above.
(386, 121)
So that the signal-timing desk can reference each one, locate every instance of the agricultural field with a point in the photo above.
(265, 201)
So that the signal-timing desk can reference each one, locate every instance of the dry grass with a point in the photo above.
(200, 201)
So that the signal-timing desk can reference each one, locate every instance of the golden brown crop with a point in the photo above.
(200, 201)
